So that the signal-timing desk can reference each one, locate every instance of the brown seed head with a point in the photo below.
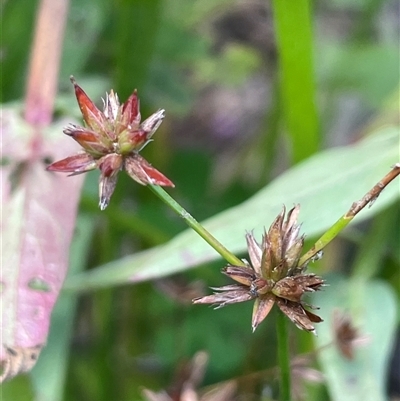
(273, 276)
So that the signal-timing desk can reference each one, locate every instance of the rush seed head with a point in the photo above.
(111, 141)
(273, 276)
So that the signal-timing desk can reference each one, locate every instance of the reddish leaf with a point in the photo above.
(39, 210)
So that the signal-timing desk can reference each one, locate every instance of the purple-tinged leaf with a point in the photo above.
(38, 218)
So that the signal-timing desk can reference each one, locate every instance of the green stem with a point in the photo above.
(196, 226)
(368, 199)
(326, 238)
(283, 357)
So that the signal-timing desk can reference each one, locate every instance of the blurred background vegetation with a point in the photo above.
(232, 126)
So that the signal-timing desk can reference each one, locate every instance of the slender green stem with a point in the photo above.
(326, 238)
(196, 226)
(368, 199)
(283, 357)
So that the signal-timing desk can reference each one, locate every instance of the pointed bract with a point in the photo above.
(80, 163)
(109, 166)
(187, 379)
(255, 252)
(261, 309)
(298, 315)
(106, 189)
(92, 142)
(227, 295)
(241, 274)
(131, 111)
(144, 173)
(151, 124)
(111, 107)
(92, 116)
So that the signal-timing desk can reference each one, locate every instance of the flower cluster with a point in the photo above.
(112, 140)
(273, 276)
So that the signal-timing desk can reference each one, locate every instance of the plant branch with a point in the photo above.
(196, 226)
(369, 198)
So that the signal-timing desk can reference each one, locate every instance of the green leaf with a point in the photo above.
(292, 20)
(325, 185)
(372, 307)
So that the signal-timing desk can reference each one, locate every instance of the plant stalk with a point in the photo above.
(283, 357)
(368, 199)
(294, 41)
(196, 226)
(45, 62)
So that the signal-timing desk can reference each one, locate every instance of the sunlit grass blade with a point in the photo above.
(292, 20)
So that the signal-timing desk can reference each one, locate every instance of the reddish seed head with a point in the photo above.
(111, 141)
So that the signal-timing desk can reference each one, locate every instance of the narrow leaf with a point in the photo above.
(292, 20)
